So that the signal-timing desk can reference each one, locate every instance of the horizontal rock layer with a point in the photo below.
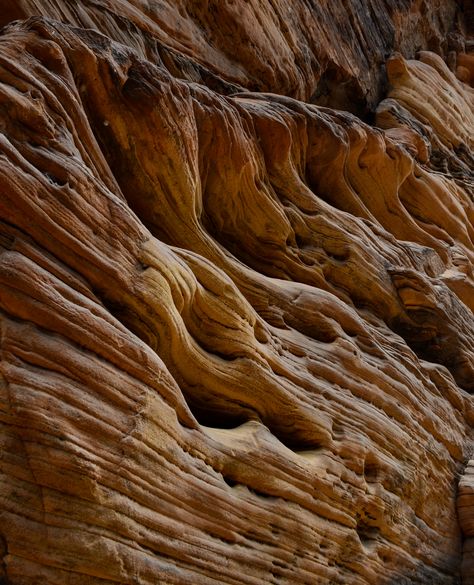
(236, 330)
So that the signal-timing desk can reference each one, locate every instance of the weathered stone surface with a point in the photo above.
(465, 506)
(237, 331)
(332, 53)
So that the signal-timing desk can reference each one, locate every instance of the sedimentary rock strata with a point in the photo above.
(237, 327)
(332, 53)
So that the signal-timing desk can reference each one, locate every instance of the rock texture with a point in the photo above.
(237, 330)
(331, 53)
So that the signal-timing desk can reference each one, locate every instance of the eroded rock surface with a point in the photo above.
(237, 328)
(332, 53)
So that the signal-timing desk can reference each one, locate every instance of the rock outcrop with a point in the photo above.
(329, 53)
(237, 330)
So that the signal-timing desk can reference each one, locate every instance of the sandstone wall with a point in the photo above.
(237, 331)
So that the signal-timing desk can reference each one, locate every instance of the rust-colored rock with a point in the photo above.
(237, 331)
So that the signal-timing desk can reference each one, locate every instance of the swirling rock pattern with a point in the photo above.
(237, 331)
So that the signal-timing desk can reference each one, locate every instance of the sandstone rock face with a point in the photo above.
(237, 330)
(332, 53)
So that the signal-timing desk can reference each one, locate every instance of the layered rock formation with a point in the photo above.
(237, 325)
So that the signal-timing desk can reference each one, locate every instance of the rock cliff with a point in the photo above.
(236, 292)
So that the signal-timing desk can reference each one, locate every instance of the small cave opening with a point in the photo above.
(217, 418)
(338, 90)
(298, 442)
(372, 470)
(230, 417)
(229, 481)
(367, 533)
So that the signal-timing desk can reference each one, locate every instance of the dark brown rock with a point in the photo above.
(330, 53)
